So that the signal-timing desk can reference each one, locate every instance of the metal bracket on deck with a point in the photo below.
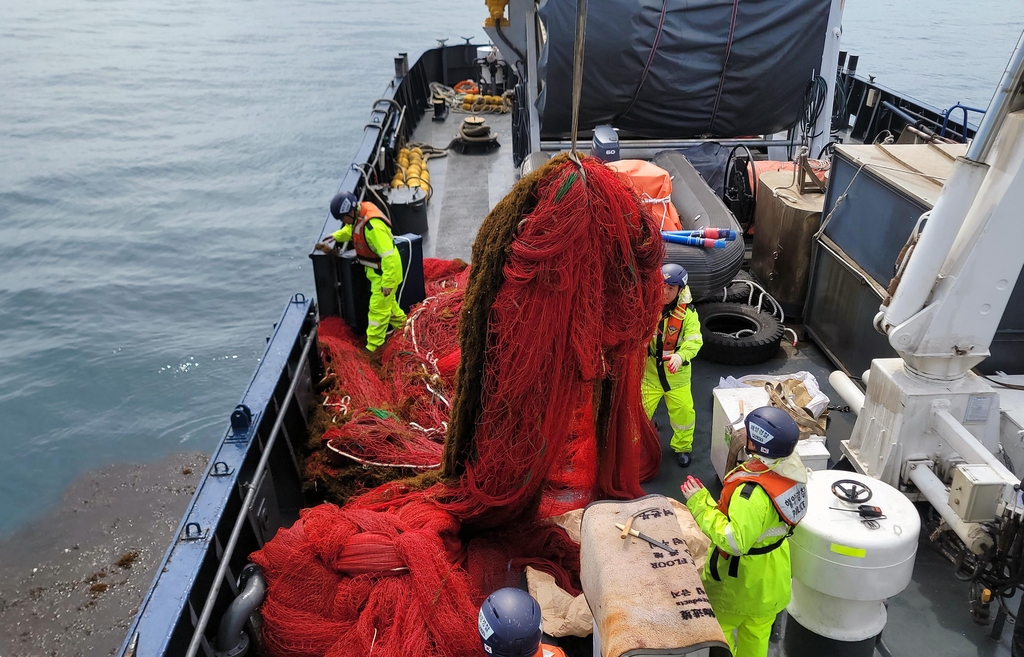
(193, 532)
(242, 422)
(221, 469)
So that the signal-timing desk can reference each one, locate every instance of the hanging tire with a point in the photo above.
(738, 334)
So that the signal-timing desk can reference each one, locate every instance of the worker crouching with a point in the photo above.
(667, 372)
(747, 575)
(370, 232)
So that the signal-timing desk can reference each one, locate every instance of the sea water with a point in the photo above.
(165, 167)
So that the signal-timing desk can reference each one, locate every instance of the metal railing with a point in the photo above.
(949, 112)
(243, 513)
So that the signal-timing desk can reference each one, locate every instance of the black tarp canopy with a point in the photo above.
(682, 68)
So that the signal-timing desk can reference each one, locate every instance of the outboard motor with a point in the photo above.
(605, 145)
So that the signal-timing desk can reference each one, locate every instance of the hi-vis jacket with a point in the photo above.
(374, 244)
(677, 333)
(748, 574)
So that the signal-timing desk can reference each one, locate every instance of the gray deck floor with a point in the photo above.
(455, 211)
(929, 618)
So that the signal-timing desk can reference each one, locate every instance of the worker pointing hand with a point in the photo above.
(747, 576)
(690, 487)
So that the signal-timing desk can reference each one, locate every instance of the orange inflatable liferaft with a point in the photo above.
(654, 187)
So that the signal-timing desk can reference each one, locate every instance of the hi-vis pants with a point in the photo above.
(384, 312)
(678, 401)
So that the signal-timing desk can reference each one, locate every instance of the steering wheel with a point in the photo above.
(851, 490)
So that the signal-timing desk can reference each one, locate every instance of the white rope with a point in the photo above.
(664, 201)
(764, 296)
(382, 465)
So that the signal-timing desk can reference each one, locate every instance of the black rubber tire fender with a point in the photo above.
(719, 319)
(737, 292)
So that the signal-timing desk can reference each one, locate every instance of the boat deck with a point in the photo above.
(456, 210)
(930, 617)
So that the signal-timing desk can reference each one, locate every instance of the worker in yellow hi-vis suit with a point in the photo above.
(667, 374)
(370, 232)
(747, 575)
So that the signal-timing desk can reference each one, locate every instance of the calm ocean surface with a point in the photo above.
(165, 165)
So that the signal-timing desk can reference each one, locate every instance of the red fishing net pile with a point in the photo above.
(537, 399)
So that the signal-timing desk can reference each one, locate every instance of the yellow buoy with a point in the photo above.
(416, 150)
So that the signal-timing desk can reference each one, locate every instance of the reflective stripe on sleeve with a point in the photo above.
(780, 530)
(734, 549)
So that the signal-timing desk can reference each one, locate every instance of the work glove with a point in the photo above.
(673, 363)
(690, 487)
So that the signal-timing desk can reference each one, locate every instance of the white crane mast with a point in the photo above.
(957, 282)
(926, 418)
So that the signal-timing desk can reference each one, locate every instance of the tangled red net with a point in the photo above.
(376, 437)
(546, 416)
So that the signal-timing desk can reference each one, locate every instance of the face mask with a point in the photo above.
(790, 467)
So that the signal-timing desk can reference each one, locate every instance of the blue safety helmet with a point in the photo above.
(342, 204)
(509, 624)
(771, 432)
(674, 274)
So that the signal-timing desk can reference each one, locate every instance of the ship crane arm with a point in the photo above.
(958, 279)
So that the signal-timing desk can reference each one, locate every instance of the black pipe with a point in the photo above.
(1017, 643)
(899, 112)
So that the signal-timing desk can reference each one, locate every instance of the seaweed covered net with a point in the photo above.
(560, 303)
(536, 399)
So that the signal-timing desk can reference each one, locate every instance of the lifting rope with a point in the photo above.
(577, 76)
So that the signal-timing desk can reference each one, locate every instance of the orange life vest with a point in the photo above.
(788, 497)
(364, 254)
(549, 651)
(670, 334)
(673, 329)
